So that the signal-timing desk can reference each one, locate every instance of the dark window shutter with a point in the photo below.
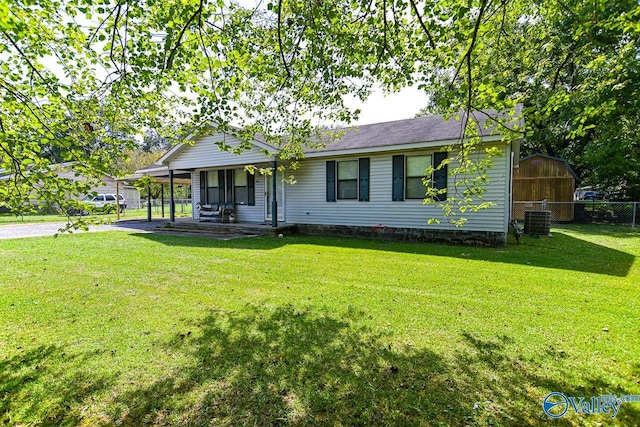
(398, 178)
(203, 187)
(251, 189)
(221, 187)
(363, 179)
(440, 175)
(229, 185)
(331, 181)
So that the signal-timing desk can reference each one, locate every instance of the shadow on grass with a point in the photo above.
(284, 365)
(617, 231)
(563, 251)
(47, 386)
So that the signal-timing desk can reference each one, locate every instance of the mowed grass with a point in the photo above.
(132, 329)
(181, 212)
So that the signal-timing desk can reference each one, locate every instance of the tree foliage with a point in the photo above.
(576, 68)
(79, 75)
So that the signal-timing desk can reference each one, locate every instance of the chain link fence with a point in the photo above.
(582, 212)
(183, 206)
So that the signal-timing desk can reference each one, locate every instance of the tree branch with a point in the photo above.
(467, 55)
(113, 36)
(284, 61)
(95, 33)
(424, 27)
(557, 73)
(204, 49)
(384, 35)
(184, 29)
(24, 56)
(566, 8)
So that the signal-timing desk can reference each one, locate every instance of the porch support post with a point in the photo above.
(162, 199)
(274, 188)
(172, 206)
(117, 199)
(149, 202)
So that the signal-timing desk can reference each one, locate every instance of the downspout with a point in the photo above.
(510, 190)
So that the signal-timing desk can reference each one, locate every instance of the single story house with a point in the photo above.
(369, 182)
(106, 185)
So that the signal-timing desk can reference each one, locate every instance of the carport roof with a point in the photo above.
(160, 174)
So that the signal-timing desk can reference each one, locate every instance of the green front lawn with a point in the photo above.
(156, 212)
(117, 328)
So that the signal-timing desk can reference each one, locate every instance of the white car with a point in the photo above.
(106, 201)
(102, 203)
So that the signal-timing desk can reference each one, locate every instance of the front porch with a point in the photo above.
(256, 199)
(248, 228)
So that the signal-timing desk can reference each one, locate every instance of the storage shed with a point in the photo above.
(540, 177)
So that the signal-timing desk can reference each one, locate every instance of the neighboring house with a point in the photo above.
(544, 178)
(107, 185)
(367, 183)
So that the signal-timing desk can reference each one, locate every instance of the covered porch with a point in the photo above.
(261, 191)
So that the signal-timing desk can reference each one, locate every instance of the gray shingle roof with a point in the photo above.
(421, 129)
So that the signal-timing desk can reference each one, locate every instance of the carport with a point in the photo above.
(163, 176)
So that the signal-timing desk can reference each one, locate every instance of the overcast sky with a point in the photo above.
(397, 106)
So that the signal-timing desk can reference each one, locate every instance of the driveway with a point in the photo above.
(34, 229)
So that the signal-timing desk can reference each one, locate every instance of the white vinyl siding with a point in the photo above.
(206, 153)
(242, 213)
(306, 200)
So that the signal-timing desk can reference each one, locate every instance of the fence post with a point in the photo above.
(633, 220)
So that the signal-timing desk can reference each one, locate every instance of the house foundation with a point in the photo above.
(458, 237)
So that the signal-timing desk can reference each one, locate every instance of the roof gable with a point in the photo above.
(194, 138)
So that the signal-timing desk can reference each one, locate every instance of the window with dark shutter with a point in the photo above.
(241, 193)
(440, 175)
(398, 178)
(244, 187)
(220, 188)
(416, 176)
(363, 179)
(213, 187)
(251, 188)
(331, 181)
(229, 186)
(347, 179)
